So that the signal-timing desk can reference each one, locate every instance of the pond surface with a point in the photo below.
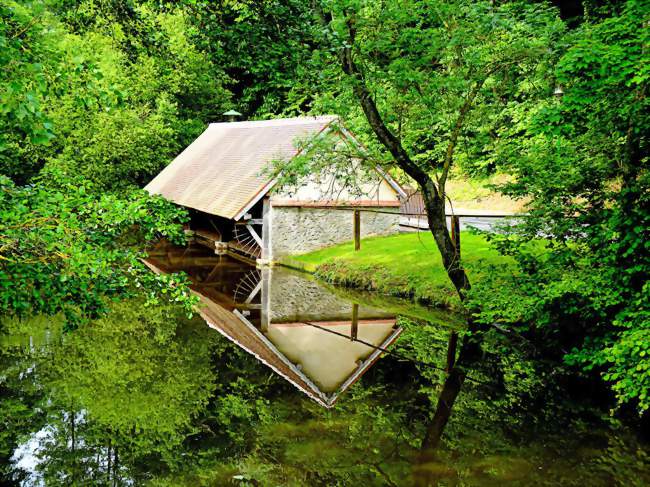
(282, 380)
(319, 341)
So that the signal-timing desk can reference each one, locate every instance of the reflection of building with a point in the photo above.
(317, 340)
(236, 207)
(328, 358)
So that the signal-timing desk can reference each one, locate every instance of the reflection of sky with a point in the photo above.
(32, 454)
(29, 455)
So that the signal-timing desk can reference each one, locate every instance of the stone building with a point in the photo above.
(238, 208)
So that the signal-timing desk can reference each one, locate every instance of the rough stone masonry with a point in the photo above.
(297, 230)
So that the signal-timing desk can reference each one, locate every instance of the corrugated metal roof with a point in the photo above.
(220, 172)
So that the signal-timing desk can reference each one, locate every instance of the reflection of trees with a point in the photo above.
(132, 398)
(510, 423)
(21, 394)
(121, 391)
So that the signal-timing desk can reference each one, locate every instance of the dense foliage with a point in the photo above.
(97, 96)
(67, 248)
(582, 160)
(95, 99)
(440, 73)
(107, 92)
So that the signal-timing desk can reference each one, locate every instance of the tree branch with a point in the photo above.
(385, 136)
(451, 146)
(29, 25)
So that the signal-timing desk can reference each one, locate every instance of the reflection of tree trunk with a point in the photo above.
(469, 353)
(446, 399)
(451, 351)
(110, 458)
(74, 448)
(115, 469)
(98, 466)
(429, 471)
(72, 431)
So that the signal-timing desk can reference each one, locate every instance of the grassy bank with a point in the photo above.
(405, 265)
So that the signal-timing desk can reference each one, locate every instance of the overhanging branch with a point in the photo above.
(385, 136)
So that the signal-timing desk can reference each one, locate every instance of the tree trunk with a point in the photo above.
(116, 471)
(437, 219)
(424, 474)
(434, 202)
(446, 400)
(74, 447)
(469, 352)
(109, 459)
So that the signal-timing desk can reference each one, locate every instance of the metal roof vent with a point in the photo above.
(232, 115)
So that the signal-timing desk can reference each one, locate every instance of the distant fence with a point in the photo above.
(413, 204)
(413, 215)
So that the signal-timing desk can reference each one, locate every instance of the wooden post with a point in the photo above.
(266, 230)
(355, 322)
(451, 351)
(455, 233)
(265, 313)
(356, 228)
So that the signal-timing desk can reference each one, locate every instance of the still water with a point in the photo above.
(319, 341)
(281, 380)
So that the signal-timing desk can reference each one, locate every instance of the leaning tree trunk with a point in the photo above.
(469, 349)
(433, 196)
(434, 201)
(436, 217)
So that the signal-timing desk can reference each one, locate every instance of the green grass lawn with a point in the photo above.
(407, 265)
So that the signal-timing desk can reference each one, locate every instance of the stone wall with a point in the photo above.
(296, 230)
(294, 297)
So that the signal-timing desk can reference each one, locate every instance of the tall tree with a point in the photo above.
(582, 161)
(433, 78)
(428, 85)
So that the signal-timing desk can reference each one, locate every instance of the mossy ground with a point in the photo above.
(406, 265)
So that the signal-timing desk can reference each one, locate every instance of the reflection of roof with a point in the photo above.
(246, 336)
(219, 173)
(325, 350)
(233, 325)
(237, 329)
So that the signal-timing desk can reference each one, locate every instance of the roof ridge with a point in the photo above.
(277, 121)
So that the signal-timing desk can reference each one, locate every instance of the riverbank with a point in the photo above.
(405, 265)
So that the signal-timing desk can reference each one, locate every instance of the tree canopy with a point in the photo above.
(96, 97)
(582, 160)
